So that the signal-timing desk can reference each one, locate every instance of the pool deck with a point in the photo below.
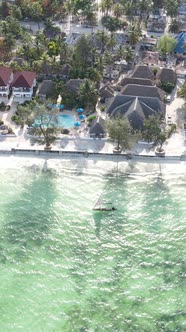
(78, 141)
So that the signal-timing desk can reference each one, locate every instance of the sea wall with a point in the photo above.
(86, 154)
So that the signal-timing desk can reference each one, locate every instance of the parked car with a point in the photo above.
(169, 120)
(168, 99)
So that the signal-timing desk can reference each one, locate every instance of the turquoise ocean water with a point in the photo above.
(64, 267)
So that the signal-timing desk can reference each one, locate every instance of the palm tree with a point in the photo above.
(9, 41)
(174, 26)
(121, 52)
(102, 7)
(44, 59)
(111, 42)
(108, 58)
(94, 56)
(88, 94)
(108, 5)
(129, 10)
(100, 64)
(40, 42)
(69, 10)
(134, 34)
(4, 27)
(128, 53)
(103, 38)
(144, 7)
(90, 17)
(64, 52)
(48, 24)
(172, 8)
(118, 10)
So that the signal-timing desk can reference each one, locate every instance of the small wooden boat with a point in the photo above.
(102, 205)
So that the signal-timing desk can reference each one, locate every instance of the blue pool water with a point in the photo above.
(66, 121)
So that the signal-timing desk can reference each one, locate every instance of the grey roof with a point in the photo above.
(118, 101)
(133, 80)
(46, 88)
(19, 61)
(106, 91)
(73, 85)
(143, 71)
(65, 69)
(49, 69)
(167, 75)
(3, 127)
(97, 126)
(159, 24)
(143, 91)
(136, 108)
(150, 57)
(147, 40)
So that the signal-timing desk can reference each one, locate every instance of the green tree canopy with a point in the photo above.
(82, 53)
(182, 92)
(134, 34)
(46, 124)
(45, 121)
(166, 44)
(118, 129)
(112, 23)
(174, 26)
(152, 129)
(88, 94)
(154, 133)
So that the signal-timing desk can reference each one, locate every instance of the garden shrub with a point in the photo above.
(91, 118)
(167, 87)
(7, 107)
(102, 109)
(15, 118)
(10, 130)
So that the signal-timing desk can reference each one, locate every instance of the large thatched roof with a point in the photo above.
(136, 108)
(143, 91)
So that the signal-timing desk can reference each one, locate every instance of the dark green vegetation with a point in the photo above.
(43, 120)
(119, 130)
(154, 133)
(47, 53)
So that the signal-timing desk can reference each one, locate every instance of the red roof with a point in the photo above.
(5, 73)
(23, 79)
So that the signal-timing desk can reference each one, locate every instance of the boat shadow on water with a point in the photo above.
(102, 219)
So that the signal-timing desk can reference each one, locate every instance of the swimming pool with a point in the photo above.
(66, 121)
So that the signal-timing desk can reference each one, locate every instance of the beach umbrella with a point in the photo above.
(81, 116)
(80, 110)
(77, 124)
(60, 106)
